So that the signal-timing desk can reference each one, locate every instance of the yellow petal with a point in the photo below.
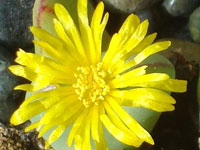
(25, 113)
(150, 104)
(172, 85)
(51, 45)
(86, 32)
(136, 37)
(124, 34)
(76, 127)
(154, 48)
(46, 37)
(112, 49)
(117, 133)
(40, 80)
(54, 93)
(54, 53)
(101, 145)
(121, 83)
(32, 126)
(118, 123)
(119, 49)
(128, 27)
(27, 73)
(97, 15)
(130, 74)
(77, 142)
(95, 122)
(82, 11)
(145, 97)
(86, 145)
(26, 87)
(124, 65)
(45, 68)
(98, 25)
(61, 108)
(70, 48)
(58, 132)
(55, 135)
(68, 118)
(131, 123)
(144, 93)
(142, 45)
(32, 60)
(88, 43)
(70, 28)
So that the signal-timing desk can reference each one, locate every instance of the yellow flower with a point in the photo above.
(86, 90)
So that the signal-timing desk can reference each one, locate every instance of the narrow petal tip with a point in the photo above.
(16, 119)
(58, 6)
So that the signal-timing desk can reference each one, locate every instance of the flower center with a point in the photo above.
(90, 84)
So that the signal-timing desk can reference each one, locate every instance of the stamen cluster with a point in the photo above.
(90, 84)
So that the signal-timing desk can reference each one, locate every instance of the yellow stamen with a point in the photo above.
(90, 84)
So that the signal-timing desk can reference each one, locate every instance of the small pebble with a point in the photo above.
(180, 7)
(194, 25)
(129, 6)
(147, 14)
(16, 17)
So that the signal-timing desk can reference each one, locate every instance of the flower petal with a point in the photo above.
(131, 123)
(70, 28)
(142, 45)
(86, 32)
(98, 25)
(29, 87)
(55, 134)
(118, 40)
(44, 36)
(172, 85)
(101, 145)
(23, 114)
(113, 47)
(121, 82)
(117, 51)
(26, 73)
(59, 131)
(44, 67)
(117, 133)
(69, 117)
(77, 124)
(129, 26)
(130, 74)
(145, 97)
(69, 45)
(55, 93)
(86, 145)
(77, 142)
(120, 67)
(94, 122)
(154, 48)
(54, 53)
(136, 37)
(60, 108)
(119, 124)
(32, 60)
(32, 126)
